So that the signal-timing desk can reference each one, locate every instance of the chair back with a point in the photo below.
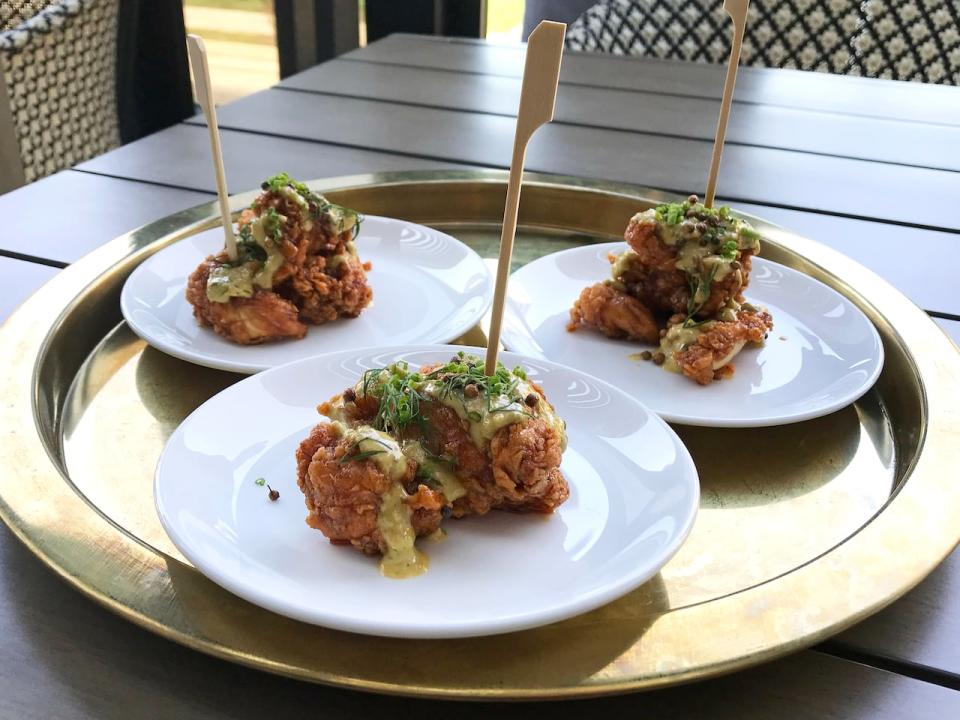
(59, 71)
(904, 40)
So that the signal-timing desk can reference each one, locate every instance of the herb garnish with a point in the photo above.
(721, 237)
(320, 207)
(400, 390)
(272, 222)
(260, 482)
(355, 454)
(675, 213)
(699, 292)
(728, 251)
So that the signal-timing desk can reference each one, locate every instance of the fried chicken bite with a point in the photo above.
(445, 434)
(298, 247)
(688, 263)
(347, 493)
(704, 353)
(525, 458)
(614, 313)
(667, 265)
(408, 448)
(262, 317)
(326, 288)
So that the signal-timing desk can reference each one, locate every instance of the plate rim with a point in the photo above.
(745, 422)
(389, 629)
(246, 368)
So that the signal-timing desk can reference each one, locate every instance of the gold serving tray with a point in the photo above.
(803, 529)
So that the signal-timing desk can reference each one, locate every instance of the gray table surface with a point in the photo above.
(869, 167)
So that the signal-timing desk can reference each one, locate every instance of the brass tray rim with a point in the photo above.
(24, 514)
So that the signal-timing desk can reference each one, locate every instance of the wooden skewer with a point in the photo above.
(737, 10)
(538, 95)
(201, 78)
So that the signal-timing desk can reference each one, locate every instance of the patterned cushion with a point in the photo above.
(60, 69)
(904, 40)
(14, 12)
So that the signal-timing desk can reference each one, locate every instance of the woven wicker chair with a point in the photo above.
(59, 66)
(915, 40)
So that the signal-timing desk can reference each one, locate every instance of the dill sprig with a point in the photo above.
(400, 390)
(699, 292)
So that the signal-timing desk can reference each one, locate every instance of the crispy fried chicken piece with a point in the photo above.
(440, 452)
(719, 342)
(651, 275)
(614, 313)
(343, 498)
(447, 435)
(264, 317)
(302, 235)
(319, 280)
(519, 471)
(525, 458)
(323, 294)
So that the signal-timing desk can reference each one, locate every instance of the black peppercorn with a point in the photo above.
(471, 391)
(532, 399)
(273, 494)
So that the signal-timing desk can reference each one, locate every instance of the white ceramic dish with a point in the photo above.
(634, 495)
(428, 287)
(822, 354)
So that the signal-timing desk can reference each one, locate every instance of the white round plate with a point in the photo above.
(428, 287)
(822, 354)
(633, 497)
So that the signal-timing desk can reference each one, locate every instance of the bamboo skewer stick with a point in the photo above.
(538, 95)
(737, 10)
(201, 78)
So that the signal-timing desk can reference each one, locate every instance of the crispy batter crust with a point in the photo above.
(309, 287)
(655, 280)
(717, 345)
(614, 313)
(518, 471)
(264, 317)
(343, 498)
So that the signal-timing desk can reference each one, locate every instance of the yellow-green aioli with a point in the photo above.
(436, 470)
(678, 338)
(225, 282)
(622, 263)
(402, 559)
(486, 415)
(383, 449)
(700, 253)
(290, 193)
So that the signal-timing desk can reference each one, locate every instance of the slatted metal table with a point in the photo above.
(870, 167)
